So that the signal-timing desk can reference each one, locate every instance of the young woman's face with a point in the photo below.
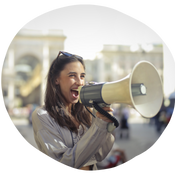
(71, 78)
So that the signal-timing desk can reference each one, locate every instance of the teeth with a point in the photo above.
(75, 90)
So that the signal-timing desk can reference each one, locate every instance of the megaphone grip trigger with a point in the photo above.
(113, 118)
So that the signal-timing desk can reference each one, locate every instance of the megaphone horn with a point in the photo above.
(141, 89)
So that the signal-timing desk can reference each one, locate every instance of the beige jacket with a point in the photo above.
(57, 142)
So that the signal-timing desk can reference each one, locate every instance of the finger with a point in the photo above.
(108, 109)
(98, 113)
(108, 121)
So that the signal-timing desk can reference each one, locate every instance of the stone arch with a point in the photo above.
(25, 65)
(26, 54)
(27, 70)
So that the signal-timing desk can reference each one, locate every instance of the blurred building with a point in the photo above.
(26, 65)
(30, 53)
(115, 62)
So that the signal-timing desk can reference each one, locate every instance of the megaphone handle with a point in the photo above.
(101, 105)
(113, 118)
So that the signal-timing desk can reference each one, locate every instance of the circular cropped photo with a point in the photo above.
(88, 86)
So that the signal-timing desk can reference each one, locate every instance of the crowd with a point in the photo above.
(164, 118)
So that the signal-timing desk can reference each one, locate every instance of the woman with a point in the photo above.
(63, 128)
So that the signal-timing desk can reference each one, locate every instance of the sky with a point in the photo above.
(90, 25)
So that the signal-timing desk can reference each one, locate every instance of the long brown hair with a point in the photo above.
(54, 100)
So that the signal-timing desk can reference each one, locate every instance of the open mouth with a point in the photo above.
(74, 93)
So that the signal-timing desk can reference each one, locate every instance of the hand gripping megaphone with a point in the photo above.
(141, 89)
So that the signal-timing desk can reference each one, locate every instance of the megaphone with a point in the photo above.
(141, 89)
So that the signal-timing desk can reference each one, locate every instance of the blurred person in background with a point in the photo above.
(63, 127)
(157, 122)
(169, 114)
(124, 125)
(117, 114)
(160, 119)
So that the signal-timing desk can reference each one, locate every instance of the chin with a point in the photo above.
(72, 101)
(75, 101)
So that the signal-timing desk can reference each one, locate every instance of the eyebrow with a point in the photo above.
(75, 73)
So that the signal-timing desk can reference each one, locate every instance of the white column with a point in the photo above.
(45, 69)
(11, 59)
(101, 68)
(114, 70)
(11, 86)
(11, 92)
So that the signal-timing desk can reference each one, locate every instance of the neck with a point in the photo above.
(68, 108)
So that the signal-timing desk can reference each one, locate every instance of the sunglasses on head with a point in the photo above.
(68, 55)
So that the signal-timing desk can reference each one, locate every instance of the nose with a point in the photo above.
(79, 81)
